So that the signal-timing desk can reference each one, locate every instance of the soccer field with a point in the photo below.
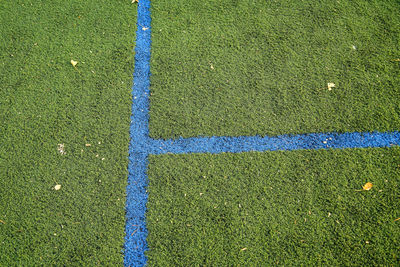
(250, 133)
(64, 125)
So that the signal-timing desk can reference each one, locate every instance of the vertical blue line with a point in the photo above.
(135, 229)
(141, 145)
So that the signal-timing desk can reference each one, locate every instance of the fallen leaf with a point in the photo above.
(87, 144)
(135, 1)
(73, 62)
(3, 222)
(61, 149)
(367, 186)
(397, 219)
(331, 85)
(57, 187)
(243, 249)
(397, 59)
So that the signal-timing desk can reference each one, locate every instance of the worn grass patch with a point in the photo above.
(286, 208)
(45, 103)
(262, 67)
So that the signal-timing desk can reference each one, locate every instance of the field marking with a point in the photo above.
(220, 144)
(141, 145)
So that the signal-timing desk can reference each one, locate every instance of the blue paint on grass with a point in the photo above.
(219, 144)
(136, 199)
(141, 145)
(135, 229)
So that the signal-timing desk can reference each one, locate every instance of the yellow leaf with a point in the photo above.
(73, 62)
(397, 219)
(367, 186)
(331, 85)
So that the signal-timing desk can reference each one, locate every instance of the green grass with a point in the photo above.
(230, 67)
(297, 208)
(44, 102)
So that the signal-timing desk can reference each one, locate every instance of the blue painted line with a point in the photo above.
(219, 144)
(136, 199)
(135, 228)
(141, 145)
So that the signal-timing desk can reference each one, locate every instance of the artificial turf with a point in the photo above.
(297, 208)
(45, 102)
(230, 67)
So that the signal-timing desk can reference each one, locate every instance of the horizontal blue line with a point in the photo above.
(220, 144)
(141, 145)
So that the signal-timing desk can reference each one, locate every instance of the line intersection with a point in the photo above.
(141, 145)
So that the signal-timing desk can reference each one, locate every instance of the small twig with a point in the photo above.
(77, 69)
(136, 229)
(143, 27)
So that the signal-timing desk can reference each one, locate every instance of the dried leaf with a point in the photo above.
(331, 85)
(397, 219)
(243, 249)
(367, 186)
(61, 149)
(135, 1)
(3, 222)
(73, 62)
(87, 144)
(57, 187)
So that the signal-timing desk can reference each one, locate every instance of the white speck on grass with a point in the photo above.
(57, 187)
(354, 47)
(61, 149)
